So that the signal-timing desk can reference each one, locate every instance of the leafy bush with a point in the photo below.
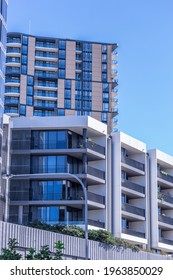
(100, 235)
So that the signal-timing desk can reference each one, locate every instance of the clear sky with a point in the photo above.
(143, 30)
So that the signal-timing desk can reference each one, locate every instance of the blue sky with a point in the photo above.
(143, 30)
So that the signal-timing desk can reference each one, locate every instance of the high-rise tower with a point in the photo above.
(57, 77)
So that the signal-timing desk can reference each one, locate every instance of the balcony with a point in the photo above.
(42, 84)
(45, 45)
(45, 75)
(11, 111)
(133, 163)
(165, 177)
(13, 50)
(46, 54)
(132, 186)
(12, 70)
(11, 101)
(96, 172)
(133, 209)
(45, 94)
(95, 147)
(13, 40)
(45, 105)
(165, 198)
(13, 60)
(166, 241)
(133, 232)
(79, 195)
(44, 64)
(96, 223)
(12, 80)
(166, 220)
(77, 169)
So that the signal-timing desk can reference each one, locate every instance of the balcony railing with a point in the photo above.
(12, 71)
(164, 197)
(14, 40)
(45, 105)
(11, 111)
(91, 196)
(96, 223)
(45, 93)
(165, 219)
(41, 64)
(96, 172)
(165, 177)
(11, 80)
(135, 187)
(95, 147)
(46, 54)
(166, 241)
(13, 60)
(133, 232)
(45, 45)
(45, 75)
(77, 169)
(11, 101)
(13, 50)
(46, 84)
(133, 209)
(133, 163)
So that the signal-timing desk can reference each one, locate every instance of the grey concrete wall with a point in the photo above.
(29, 237)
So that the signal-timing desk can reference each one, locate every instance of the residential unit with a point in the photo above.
(48, 158)
(3, 31)
(129, 189)
(161, 198)
(47, 163)
(61, 77)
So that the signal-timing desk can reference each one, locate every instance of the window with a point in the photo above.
(29, 100)
(104, 117)
(62, 54)
(22, 110)
(106, 107)
(30, 80)
(61, 73)
(67, 93)
(67, 103)
(104, 77)
(67, 84)
(61, 112)
(24, 40)
(62, 44)
(24, 49)
(123, 199)
(24, 59)
(24, 69)
(30, 90)
(61, 63)
(105, 87)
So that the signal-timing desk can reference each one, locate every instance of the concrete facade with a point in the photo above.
(3, 31)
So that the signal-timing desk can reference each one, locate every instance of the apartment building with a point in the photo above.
(161, 188)
(3, 31)
(129, 189)
(47, 159)
(61, 77)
